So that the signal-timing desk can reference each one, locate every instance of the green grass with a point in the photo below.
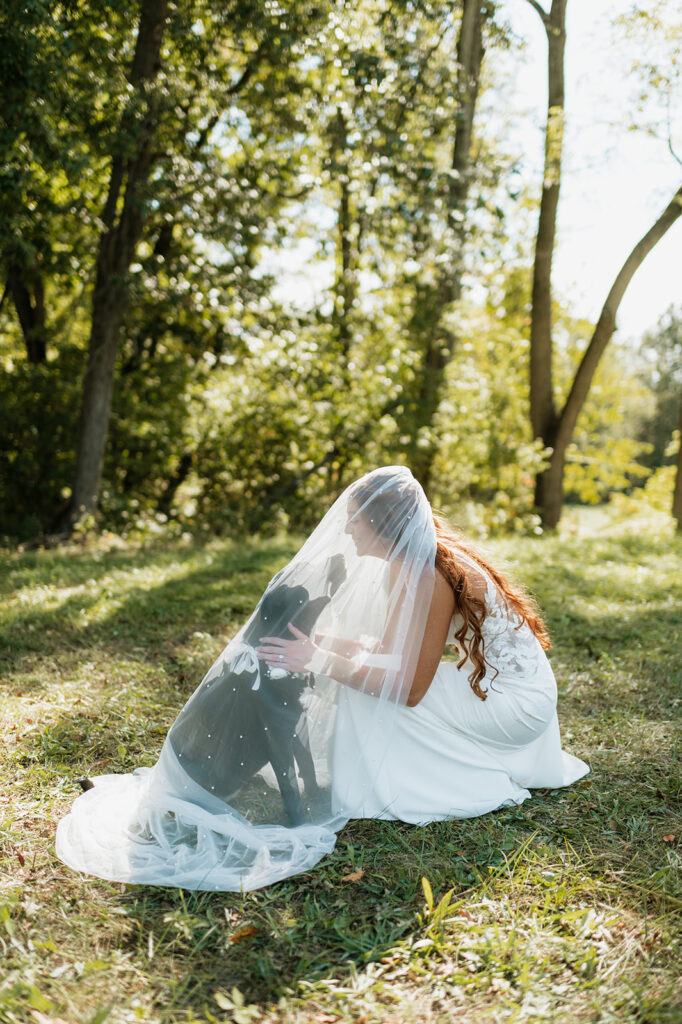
(566, 909)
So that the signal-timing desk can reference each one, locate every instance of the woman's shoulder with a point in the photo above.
(442, 590)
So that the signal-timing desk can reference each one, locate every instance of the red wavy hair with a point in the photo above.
(469, 603)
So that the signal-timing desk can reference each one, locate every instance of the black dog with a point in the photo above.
(245, 718)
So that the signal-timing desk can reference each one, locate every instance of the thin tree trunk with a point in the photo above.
(543, 414)
(116, 251)
(542, 410)
(439, 344)
(677, 494)
(345, 280)
(29, 303)
(549, 487)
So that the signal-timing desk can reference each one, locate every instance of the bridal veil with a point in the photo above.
(243, 793)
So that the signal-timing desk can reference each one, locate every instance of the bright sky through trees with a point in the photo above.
(616, 182)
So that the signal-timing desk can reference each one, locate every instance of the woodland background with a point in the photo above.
(162, 163)
(248, 251)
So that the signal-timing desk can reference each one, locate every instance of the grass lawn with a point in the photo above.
(566, 909)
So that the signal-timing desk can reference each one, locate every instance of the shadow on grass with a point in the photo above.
(208, 597)
(318, 929)
(314, 926)
(617, 685)
(627, 664)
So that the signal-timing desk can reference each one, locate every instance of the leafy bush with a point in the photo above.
(38, 424)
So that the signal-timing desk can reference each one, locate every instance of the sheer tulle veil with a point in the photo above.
(245, 791)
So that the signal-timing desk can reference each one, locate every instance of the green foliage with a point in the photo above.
(227, 149)
(661, 374)
(610, 445)
(657, 492)
(237, 406)
(38, 429)
(483, 475)
(280, 434)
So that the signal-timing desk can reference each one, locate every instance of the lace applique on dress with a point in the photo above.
(510, 644)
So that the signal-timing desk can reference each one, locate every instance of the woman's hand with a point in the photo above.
(291, 655)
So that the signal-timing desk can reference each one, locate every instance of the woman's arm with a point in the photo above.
(435, 634)
(368, 671)
(338, 644)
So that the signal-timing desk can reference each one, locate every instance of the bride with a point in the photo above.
(333, 702)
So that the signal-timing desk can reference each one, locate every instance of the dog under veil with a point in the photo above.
(243, 793)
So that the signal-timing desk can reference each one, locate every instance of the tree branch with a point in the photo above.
(251, 66)
(672, 151)
(674, 155)
(543, 13)
(607, 319)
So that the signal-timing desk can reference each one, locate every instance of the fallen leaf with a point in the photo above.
(247, 932)
(20, 857)
(354, 876)
(40, 1018)
(670, 838)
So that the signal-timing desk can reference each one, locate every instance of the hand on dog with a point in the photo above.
(292, 655)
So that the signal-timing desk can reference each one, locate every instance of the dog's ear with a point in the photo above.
(280, 606)
(308, 613)
(336, 573)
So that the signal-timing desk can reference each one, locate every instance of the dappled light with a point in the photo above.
(568, 899)
(248, 253)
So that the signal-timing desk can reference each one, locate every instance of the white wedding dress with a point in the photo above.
(454, 755)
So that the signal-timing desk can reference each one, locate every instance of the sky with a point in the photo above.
(616, 182)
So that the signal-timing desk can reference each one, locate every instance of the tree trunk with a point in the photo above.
(543, 415)
(542, 410)
(549, 489)
(29, 302)
(677, 494)
(116, 251)
(553, 428)
(439, 344)
(345, 290)
(559, 437)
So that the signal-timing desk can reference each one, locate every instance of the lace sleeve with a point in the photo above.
(511, 647)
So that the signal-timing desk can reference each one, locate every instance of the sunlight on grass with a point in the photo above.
(566, 909)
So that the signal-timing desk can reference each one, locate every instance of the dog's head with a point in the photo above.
(280, 606)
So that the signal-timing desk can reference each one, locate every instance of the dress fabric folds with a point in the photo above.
(454, 755)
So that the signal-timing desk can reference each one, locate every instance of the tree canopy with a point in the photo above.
(165, 166)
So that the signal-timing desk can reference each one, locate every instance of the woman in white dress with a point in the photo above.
(333, 702)
(472, 735)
